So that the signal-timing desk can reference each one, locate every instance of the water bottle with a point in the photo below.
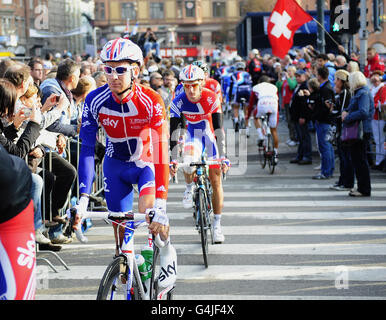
(147, 254)
(140, 260)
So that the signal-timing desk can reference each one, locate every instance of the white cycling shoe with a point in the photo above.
(168, 262)
(218, 236)
(187, 200)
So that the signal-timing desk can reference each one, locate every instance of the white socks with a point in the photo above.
(216, 220)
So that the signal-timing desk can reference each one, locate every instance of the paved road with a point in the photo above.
(287, 237)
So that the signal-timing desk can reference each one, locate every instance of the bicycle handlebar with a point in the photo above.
(105, 215)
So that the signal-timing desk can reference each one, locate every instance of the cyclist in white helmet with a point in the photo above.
(202, 110)
(134, 120)
(264, 100)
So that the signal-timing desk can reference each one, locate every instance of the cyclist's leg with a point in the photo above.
(119, 194)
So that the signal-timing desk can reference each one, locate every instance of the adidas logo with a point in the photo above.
(161, 188)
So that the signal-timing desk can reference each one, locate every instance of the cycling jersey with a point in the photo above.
(267, 102)
(18, 256)
(210, 84)
(226, 74)
(136, 142)
(241, 85)
(200, 129)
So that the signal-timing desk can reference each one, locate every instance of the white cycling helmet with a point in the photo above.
(121, 49)
(192, 73)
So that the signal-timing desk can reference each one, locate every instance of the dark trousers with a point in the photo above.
(358, 154)
(290, 123)
(305, 144)
(58, 182)
(346, 168)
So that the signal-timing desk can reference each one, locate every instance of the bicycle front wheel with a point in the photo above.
(203, 225)
(112, 287)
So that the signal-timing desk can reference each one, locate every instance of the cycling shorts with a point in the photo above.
(18, 257)
(265, 106)
(119, 178)
(242, 93)
(195, 146)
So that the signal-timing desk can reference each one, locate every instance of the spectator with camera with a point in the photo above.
(149, 40)
(322, 118)
(342, 101)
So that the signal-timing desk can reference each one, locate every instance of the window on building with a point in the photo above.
(157, 10)
(218, 8)
(128, 10)
(188, 38)
(100, 13)
(190, 9)
(218, 37)
(7, 2)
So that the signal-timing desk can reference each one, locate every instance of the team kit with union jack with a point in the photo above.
(141, 144)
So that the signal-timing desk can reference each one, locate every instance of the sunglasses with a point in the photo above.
(193, 85)
(118, 70)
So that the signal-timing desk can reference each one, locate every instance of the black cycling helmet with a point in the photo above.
(201, 64)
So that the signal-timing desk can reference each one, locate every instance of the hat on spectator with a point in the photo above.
(301, 60)
(300, 72)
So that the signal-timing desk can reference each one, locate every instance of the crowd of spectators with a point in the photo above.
(322, 93)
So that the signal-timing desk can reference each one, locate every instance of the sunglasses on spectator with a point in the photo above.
(191, 85)
(118, 70)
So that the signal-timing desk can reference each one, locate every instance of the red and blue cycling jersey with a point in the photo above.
(198, 117)
(136, 144)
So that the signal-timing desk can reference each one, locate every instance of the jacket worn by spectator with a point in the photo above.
(372, 65)
(322, 112)
(62, 125)
(298, 103)
(361, 108)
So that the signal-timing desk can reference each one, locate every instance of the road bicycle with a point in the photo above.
(122, 278)
(241, 118)
(266, 151)
(202, 203)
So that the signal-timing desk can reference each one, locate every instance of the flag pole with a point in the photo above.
(326, 31)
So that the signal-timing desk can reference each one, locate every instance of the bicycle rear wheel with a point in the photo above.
(262, 157)
(270, 154)
(154, 288)
(111, 286)
(203, 228)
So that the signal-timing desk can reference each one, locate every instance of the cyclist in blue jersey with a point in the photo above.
(240, 88)
(226, 74)
(134, 120)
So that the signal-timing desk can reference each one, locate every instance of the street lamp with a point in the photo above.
(95, 41)
(172, 40)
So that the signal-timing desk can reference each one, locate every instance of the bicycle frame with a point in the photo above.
(126, 250)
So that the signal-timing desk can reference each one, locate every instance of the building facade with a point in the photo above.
(200, 25)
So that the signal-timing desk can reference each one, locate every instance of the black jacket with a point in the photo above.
(25, 142)
(15, 185)
(298, 103)
(322, 112)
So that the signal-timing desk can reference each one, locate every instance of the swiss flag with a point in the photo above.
(287, 16)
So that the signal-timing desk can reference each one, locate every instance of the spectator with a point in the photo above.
(149, 40)
(359, 110)
(322, 118)
(37, 71)
(286, 86)
(4, 64)
(169, 84)
(100, 78)
(340, 62)
(323, 60)
(156, 81)
(342, 101)
(373, 63)
(254, 66)
(378, 92)
(66, 79)
(47, 63)
(352, 66)
(297, 106)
